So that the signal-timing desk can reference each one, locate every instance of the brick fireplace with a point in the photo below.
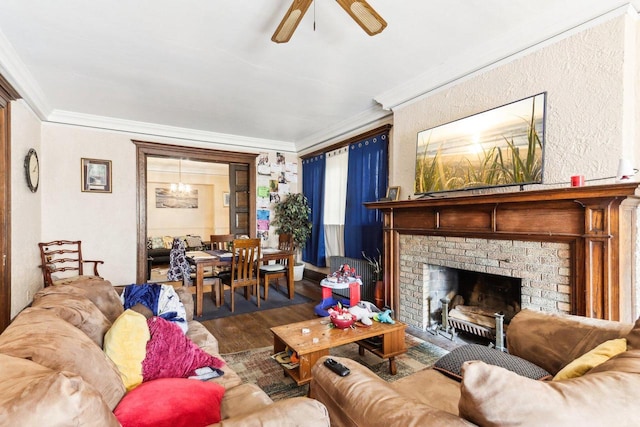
(427, 262)
(573, 248)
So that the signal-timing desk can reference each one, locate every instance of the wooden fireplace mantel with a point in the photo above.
(598, 222)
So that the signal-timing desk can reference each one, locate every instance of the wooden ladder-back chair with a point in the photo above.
(62, 262)
(220, 241)
(244, 271)
(279, 269)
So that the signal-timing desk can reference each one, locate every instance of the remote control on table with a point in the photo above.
(336, 367)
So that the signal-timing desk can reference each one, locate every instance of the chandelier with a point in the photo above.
(179, 187)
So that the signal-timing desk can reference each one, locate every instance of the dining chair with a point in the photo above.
(220, 241)
(244, 272)
(62, 262)
(279, 269)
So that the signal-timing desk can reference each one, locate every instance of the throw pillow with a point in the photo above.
(171, 354)
(451, 363)
(157, 243)
(591, 359)
(126, 345)
(493, 396)
(171, 402)
(194, 242)
(167, 242)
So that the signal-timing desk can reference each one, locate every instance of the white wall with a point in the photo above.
(106, 223)
(588, 92)
(26, 277)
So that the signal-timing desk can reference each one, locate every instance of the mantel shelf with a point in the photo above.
(631, 189)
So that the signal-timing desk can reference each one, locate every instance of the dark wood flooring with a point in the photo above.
(247, 331)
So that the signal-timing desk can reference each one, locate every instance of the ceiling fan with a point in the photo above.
(359, 10)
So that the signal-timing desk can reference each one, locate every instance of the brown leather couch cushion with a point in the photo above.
(431, 388)
(40, 335)
(29, 391)
(102, 294)
(75, 309)
(552, 340)
(633, 339)
(493, 396)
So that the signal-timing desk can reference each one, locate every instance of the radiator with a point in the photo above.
(363, 269)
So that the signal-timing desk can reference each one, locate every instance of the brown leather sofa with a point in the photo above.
(53, 370)
(607, 395)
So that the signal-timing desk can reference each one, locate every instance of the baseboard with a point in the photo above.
(313, 276)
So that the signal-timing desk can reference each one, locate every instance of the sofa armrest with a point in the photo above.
(297, 411)
(362, 398)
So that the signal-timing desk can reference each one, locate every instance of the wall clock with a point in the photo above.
(32, 170)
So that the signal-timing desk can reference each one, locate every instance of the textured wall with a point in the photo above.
(26, 278)
(590, 80)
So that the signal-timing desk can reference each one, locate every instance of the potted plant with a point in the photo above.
(292, 217)
(376, 267)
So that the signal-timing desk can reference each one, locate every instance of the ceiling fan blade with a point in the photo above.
(364, 15)
(290, 21)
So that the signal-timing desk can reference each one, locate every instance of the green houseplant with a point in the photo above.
(292, 217)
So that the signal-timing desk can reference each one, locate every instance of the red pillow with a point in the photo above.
(171, 402)
(171, 354)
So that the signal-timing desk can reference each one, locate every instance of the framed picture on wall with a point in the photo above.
(96, 175)
(225, 199)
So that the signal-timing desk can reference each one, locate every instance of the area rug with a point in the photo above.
(257, 367)
(244, 306)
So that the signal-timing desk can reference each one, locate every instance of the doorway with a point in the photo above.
(147, 150)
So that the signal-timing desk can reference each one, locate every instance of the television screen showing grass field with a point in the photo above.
(499, 147)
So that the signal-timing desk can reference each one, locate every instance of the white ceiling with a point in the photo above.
(207, 69)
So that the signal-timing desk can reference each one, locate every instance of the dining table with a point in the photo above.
(218, 258)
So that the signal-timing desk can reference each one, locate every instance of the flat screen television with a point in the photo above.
(495, 148)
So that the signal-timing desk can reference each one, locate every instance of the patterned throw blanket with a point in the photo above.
(179, 268)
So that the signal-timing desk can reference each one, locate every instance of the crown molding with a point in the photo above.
(18, 75)
(158, 130)
(432, 82)
(344, 129)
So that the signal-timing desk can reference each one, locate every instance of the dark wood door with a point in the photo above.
(5, 229)
(239, 185)
(7, 94)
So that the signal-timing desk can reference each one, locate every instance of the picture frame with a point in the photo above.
(393, 193)
(225, 199)
(96, 175)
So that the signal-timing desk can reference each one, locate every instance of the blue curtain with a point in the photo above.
(313, 189)
(367, 182)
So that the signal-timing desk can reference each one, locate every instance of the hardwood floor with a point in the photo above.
(246, 331)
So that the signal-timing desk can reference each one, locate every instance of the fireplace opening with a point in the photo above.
(462, 300)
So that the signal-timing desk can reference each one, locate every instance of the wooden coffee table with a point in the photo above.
(390, 342)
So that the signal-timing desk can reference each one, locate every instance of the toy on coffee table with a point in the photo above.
(364, 311)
